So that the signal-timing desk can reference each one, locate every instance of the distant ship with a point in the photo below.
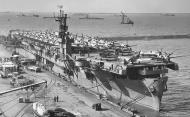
(35, 15)
(125, 19)
(48, 17)
(87, 17)
(23, 15)
(167, 14)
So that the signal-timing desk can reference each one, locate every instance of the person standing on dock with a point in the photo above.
(54, 99)
(57, 98)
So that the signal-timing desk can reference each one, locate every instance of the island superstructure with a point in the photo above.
(106, 68)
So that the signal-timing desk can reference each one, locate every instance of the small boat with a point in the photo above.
(38, 109)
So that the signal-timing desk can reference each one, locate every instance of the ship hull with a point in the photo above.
(122, 90)
(136, 91)
(118, 89)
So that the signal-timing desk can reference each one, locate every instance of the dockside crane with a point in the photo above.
(21, 88)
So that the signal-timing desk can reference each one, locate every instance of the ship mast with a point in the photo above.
(63, 35)
(122, 18)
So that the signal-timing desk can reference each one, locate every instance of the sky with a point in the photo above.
(97, 6)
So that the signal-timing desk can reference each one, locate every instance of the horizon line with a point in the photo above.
(95, 12)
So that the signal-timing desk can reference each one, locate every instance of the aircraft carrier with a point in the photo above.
(111, 70)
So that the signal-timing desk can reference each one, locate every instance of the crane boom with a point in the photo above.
(23, 87)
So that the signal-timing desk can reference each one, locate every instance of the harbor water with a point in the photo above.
(176, 101)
